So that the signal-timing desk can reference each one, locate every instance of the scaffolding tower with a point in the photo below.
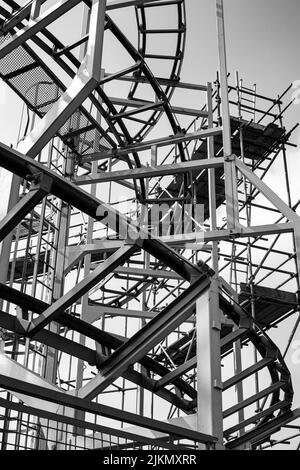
(141, 276)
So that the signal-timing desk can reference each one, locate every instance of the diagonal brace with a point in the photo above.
(24, 206)
(289, 213)
(37, 25)
(52, 312)
(145, 339)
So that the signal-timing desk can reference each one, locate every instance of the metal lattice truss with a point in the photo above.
(72, 263)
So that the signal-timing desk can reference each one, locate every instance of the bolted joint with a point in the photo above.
(218, 384)
(229, 158)
(21, 326)
(42, 181)
(216, 325)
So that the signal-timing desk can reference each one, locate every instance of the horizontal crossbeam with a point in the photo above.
(72, 348)
(146, 145)
(150, 172)
(13, 384)
(141, 104)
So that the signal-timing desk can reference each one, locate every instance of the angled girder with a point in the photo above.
(105, 432)
(140, 105)
(37, 24)
(26, 167)
(144, 340)
(102, 337)
(174, 374)
(17, 17)
(228, 163)
(117, 258)
(97, 409)
(97, 311)
(26, 204)
(263, 432)
(67, 346)
(286, 211)
(274, 199)
(23, 12)
(228, 235)
(256, 418)
(84, 82)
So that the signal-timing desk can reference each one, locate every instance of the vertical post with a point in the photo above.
(297, 243)
(208, 326)
(51, 363)
(231, 193)
(35, 9)
(89, 235)
(209, 381)
(212, 181)
(86, 22)
(237, 354)
(140, 403)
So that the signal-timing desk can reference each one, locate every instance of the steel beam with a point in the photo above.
(227, 235)
(90, 442)
(265, 430)
(178, 372)
(209, 381)
(150, 272)
(90, 356)
(11, 368)
(95, 312)
(84, 82)
(144, 340)
(289, 213)
(161, 81)
(49, 338)
(36, 25)
(25, 167)
(140, 104)
(23, 13)
(115, 4)
(256, 417)
(53, 396)
(16, 18)
(247, 372)
(262, 187)
(80, 289)
(149, 172)
(102, 337)
(183, 421)
(148, 145)
(105, 432)
(248, 401)
(26, 204)
(231, 193)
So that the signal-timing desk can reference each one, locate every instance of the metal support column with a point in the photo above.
(209, 382)
(8, 201)
(208, 326)
(231, 193)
